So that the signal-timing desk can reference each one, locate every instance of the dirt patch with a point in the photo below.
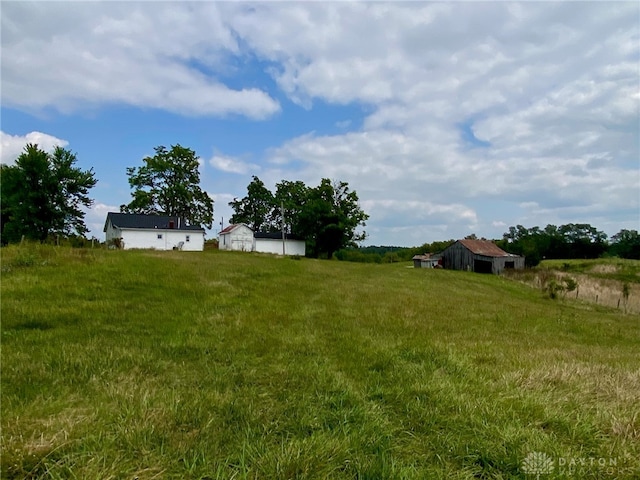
(601, 291)
(604, 268)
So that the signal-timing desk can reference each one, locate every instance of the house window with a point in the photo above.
(159, 236)
(188, 237)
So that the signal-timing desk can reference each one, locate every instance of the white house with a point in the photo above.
(158, 232)
(241, 237)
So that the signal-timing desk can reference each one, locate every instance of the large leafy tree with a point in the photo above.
(330, 218)
(289, 202)
(43, 194)
(169, 184)
(255, 208)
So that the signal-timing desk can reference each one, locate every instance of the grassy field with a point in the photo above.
(203, 365)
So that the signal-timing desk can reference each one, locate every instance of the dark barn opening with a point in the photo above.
(509, 264)
(481, 266)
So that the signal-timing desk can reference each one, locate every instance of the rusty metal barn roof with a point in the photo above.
(485, 248)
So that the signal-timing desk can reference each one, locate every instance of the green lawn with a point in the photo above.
(123, 364)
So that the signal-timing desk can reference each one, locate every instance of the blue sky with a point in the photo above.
(446, 118)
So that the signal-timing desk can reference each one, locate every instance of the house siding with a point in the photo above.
(143, 238)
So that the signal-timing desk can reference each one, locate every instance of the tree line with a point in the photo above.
(573, 240)
(570, 241)
(42, 196)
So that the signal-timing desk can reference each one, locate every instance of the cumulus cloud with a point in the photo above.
(490, 104)
(95, 217)
(470, 113)
(13, 145)
(168, 56)
(232, 165)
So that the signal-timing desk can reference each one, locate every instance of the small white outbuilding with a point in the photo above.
(158, 232)
(237, 237)
(241, 237)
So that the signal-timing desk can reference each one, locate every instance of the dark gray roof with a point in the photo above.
(137, 220)
(277, 236)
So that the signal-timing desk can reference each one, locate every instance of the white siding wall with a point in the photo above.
(270, 245)
(240, 239)
(142, 238)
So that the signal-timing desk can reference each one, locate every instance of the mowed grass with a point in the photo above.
(124, 364)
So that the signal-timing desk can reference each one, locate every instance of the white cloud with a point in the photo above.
(163, 55)
(470, 112)
(13, 145)
(232, 165)
(95, 216)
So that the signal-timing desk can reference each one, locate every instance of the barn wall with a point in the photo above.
(272, 245)
(457, 257)
(500, 263)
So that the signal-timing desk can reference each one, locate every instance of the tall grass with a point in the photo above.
(611, 282)
(124, 364)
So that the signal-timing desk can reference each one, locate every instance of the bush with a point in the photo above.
(553, 288)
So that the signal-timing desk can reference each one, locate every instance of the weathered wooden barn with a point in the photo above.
(482, 256)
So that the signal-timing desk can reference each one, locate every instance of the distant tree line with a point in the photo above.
(42, 197)
(328, 216)
(389, 254)
(574, 240)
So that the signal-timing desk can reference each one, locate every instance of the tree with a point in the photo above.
(584, 241)
(330, 218)
(626, 244)
(169, 184)
(255, 208)
(290, 196)
(43, 194)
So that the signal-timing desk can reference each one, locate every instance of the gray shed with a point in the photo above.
(426, 261)
(482, 256)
